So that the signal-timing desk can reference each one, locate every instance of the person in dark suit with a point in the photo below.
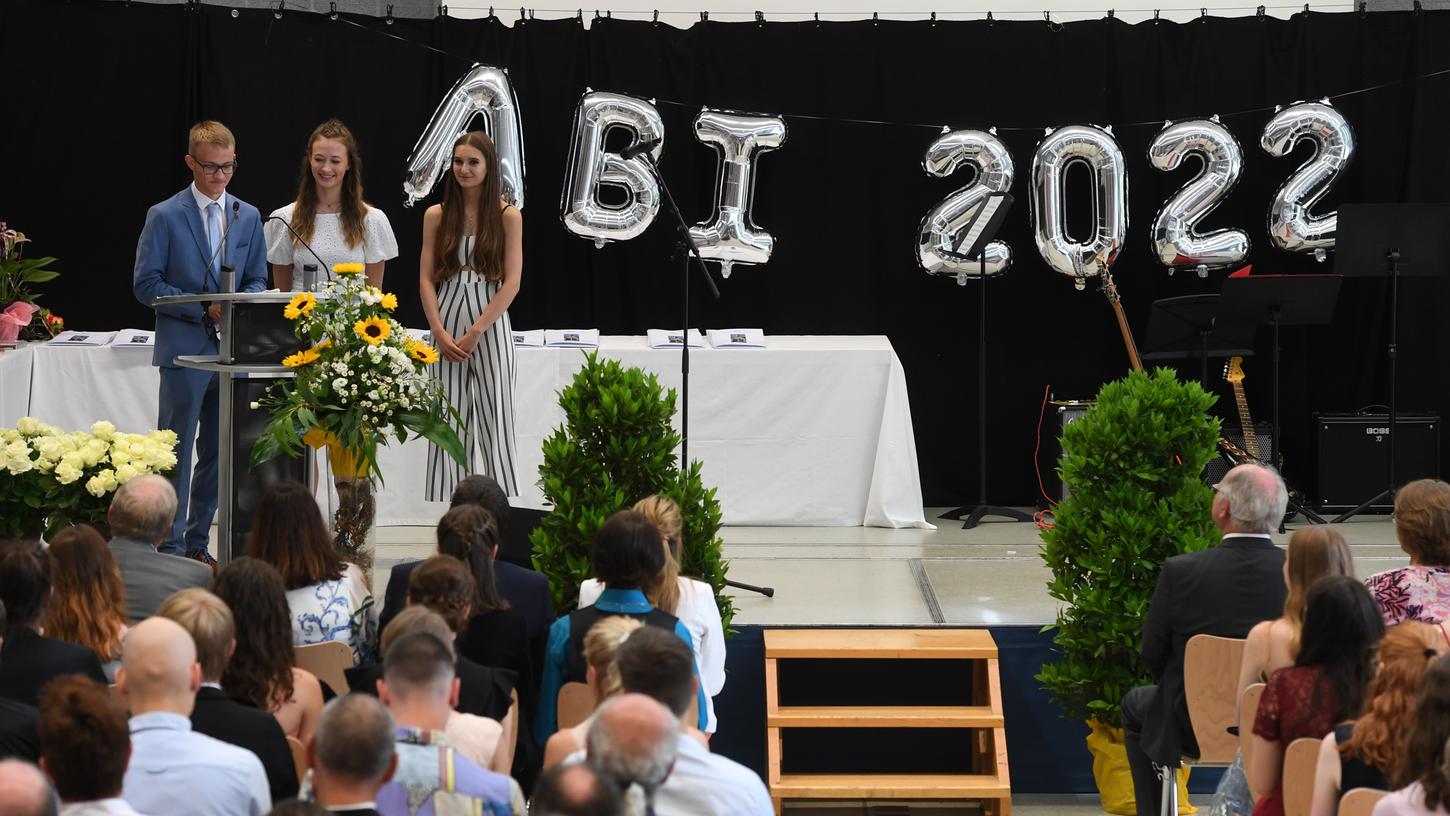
(1221, 591)
(186, 241)
(217, 714)
(352, 754)
(19, 723)
(141, 516)
(28, 659)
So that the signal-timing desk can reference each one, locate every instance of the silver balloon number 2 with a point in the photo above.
(591, 167)
(1291, 227)
(486, 91)
(730, 236)
(938, 239)
(1176, 241)
(1096, 149)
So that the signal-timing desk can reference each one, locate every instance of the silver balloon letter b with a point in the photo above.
(1176, 241)
(591, 168)
(730, 236)
(1291, 227)
(940, 233)
(484, 90)
(1099, 151)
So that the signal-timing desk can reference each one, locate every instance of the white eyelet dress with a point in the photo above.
(481, 388)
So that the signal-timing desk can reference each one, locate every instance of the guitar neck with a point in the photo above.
(1251, 440)
(1132, 347)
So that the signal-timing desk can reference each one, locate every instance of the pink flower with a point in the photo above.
(18, 314)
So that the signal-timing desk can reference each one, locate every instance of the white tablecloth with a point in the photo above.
(812, 431)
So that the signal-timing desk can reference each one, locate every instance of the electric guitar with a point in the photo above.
(1233, 372)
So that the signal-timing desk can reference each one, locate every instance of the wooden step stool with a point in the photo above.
(988, 781)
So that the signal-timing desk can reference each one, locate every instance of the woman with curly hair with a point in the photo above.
(1420, 591)
(262, 670)
(88, 604)
(1422, 775)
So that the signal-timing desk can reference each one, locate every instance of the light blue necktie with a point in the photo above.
(214, 232)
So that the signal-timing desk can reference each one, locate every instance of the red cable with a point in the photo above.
(1040, 517)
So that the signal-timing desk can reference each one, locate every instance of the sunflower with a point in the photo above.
(423, 353)
(373, 331)
(301, 304)
(389, 301)
(301, 358)
(347, 269)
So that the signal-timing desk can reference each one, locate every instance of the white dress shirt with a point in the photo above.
(99, 807)
(705, 784)
(210, 222)
(175, 771)
(329, 242)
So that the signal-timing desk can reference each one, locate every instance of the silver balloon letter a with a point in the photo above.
(938, 236)
(485, 91)
(1099, 151)
(730, 236)
(590, 168)
(1176, 241)
(1291, 227)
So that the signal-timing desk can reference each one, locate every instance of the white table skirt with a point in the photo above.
(812, 431)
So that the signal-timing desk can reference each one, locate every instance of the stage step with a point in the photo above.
(885, 717)
(889, 786)
(884, 644)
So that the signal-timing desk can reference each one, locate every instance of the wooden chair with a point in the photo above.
(1248, 710)
(299, 757)
(1210, 686)
(576, 703)
(1301, 760)
(328, 661)
(1360, 801)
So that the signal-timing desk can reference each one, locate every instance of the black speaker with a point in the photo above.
(1218, 467)
(1354, 451)
(1059, 416)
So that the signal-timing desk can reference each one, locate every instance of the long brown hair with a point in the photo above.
(664, 591)
(1422, 755)
(444, 585)
(88, 606)
(354, 211)
(288, 532)
(467, 532)
(1314, 552)
(1405, 651)
(260, 670)
(488, 240)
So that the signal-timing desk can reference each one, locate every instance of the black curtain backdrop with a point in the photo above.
(100, 95)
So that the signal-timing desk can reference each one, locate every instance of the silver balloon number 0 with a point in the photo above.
(938, 239)
(484, 90)
(730, 236)
(1176, 241)
(1291, 227)
(591, 167)
(1096, 149)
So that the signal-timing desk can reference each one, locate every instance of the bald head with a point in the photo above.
(1250, 499)
(632, 740)
(159, 671)
(24, 791)
(143, 509)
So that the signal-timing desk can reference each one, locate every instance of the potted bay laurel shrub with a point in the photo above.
(617, 446)
(1134, 464)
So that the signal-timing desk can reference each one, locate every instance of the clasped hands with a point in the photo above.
(456, 351)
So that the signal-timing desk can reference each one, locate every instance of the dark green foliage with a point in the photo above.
(1134, 462)
(617, 446)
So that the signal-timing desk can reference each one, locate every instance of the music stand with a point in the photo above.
(978, 233)
(1184, 328)
(1391, 240)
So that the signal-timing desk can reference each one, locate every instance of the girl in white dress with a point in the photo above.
(329, 215)
(469, 272)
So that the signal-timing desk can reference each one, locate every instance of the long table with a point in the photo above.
(812, 431)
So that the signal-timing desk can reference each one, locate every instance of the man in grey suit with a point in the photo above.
(141, 516)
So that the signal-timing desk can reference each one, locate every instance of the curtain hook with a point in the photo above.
(388, 20)
(1112, 13)
(704, 16)
(657, 17)
(1260, 12)
(332, 11)
(759, 16)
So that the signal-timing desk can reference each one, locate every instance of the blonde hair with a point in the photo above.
(664, 591)
(209, 132)
(1313, 552)
(209, 621)
(600, 644)
(417, 618)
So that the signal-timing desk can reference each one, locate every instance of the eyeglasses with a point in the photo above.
(213, 169)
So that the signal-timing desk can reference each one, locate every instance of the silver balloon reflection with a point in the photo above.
(591, 167)
(1099, 152)
(1291, 227)
(730, 236)
(939, 237)
(484, 90)
(1176, 241)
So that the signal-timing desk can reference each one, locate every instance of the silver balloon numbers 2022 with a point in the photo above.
(483, 91)
(591, 167)
(731, 236)
(1095, 148)
(1176, 240)
(939, 237)
(1291, 227)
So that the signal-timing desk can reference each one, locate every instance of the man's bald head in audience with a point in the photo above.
(632, 740)
(24, 791)
(159, 671)
(576, 790)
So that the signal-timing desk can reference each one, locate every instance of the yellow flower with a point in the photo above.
(348, 269)
(389, 301)
(425, 354)
(301, 358)
(301, 304)
(373, 331)
(321, 347)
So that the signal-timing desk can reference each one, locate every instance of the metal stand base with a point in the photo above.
(974, 515)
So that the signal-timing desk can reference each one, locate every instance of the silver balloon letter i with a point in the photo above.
(730, 236)
(486, 91)
(591, 168)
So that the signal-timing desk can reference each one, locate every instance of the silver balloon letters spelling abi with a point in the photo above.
(484, 90)
(591, 167)
(1099, 151)
(1176, 241)
(730, 236)
(940, 233)
(1291, 227)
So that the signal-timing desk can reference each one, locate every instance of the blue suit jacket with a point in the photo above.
(172, 256)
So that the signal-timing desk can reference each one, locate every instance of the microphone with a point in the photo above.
(639, 148)
(229, 278)
(279, 219)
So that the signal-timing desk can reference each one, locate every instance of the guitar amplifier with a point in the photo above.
(1354, 451)
(1218, 467)
(1060, 414)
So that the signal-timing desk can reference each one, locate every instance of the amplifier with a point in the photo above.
(1218, 467)
(1060, 414)
(1354, 451)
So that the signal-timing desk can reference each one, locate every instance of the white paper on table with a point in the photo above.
(737, 338)
(674, 338)
(134, 338)
(82, 338)
(571, 338)
(532, 338)
(421, 335)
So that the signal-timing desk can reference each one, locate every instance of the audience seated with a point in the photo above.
(1360, 754)
(633, 740)
(28, 659)
(1326, 685)
(1420, 591)
(352, 755)
(217, 714)
(1422, 772)
(24, 790)
(328, 597)
(18, 722)
(1224, 591)
(88, 600)
(175, 771)
(626, 556)
(576, 790)
(87, 746)
(262, 669)
(420, 689)
(600, 644)
(141, 516)
(692, 601)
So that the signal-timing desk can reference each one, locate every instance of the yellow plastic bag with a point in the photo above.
(1115, 780)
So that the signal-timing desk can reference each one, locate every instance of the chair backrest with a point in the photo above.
(299, 757)
(328, 662)
(1248, 709)
(1360, 801)
(1301, 760)
(576, 703)
(1210, 684)
(508, 743)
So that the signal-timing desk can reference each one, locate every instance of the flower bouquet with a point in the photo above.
(360, 381)
(17, 274)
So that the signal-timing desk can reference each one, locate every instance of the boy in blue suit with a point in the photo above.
(179, 253)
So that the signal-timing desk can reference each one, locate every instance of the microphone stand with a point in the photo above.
(279, 219)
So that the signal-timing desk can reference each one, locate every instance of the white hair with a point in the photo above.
(1256, 496)
(632, 740)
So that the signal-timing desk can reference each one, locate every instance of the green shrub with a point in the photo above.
(1134, 463)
